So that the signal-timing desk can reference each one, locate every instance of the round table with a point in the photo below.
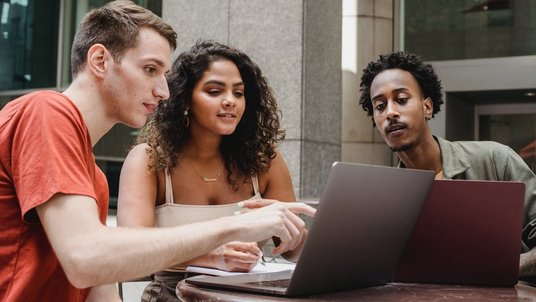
(395, 292)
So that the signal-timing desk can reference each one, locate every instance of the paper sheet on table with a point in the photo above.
(261, 267)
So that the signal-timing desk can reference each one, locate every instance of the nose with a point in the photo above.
(161, 89)
(228, 100)
(392, 110)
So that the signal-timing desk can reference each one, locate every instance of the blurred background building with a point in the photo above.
(313, 52)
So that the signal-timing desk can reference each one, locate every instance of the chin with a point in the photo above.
(228, 131)
(402, 147)
(136, 123)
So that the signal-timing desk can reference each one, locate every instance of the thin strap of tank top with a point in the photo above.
(255, 181)
(169, 188)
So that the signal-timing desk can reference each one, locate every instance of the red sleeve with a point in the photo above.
(51, 154)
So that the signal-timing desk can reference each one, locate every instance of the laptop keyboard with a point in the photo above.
(273, 283)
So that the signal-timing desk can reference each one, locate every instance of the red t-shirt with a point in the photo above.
(45, 149)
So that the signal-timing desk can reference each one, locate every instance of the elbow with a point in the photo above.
(81, 268)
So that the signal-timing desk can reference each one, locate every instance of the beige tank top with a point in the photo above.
(172, 214)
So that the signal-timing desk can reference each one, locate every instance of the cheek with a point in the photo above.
(241, 107)
(378, 118)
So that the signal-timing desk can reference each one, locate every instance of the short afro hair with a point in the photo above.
(423, 73)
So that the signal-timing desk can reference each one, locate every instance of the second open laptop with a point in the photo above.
(364, 219)
(469, 232)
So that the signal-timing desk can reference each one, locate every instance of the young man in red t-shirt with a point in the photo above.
(54, 199)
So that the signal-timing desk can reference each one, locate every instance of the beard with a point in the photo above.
(402, 148)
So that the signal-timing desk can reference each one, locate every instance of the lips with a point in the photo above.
(395, 127)
(150, 107)
(227, 114)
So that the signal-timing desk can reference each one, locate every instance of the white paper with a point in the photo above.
(261, 267)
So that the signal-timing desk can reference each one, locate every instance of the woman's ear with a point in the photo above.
(97, 55)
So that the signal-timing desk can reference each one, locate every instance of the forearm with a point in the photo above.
(115, 254)
(106, 292)
(92, 254)
(205, 261)
(527, 264)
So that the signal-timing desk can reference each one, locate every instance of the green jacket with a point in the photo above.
(486, 160)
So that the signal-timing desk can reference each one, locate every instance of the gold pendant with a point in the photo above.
(206, 179)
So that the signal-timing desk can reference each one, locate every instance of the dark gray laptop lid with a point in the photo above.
(364, 220)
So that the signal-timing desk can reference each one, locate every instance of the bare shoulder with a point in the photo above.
(278, 163)
(141, 150)
(276, 183)
(137, 156)
(138, 163)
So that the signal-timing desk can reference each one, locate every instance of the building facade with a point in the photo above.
(483, 51)
(312, 52)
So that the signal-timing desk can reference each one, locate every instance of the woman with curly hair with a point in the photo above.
(211, 145)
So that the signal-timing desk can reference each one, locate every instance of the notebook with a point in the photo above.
(469, 232)
(364, 218)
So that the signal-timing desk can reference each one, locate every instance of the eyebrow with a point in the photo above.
(156, 61)
(397, 90)
(220, 83)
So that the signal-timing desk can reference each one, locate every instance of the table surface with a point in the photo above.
(396, 292)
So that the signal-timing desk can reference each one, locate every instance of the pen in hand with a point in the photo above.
(262, 261)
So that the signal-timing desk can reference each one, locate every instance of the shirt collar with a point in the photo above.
(452, 157)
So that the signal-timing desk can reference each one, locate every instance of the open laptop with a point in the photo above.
(469, 232)
(365, 217)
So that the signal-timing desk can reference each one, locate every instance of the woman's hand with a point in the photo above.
(234, 256)
(256, 203)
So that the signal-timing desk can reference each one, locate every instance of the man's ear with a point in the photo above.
(428, 106)
(97, 57)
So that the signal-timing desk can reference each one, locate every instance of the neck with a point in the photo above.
(87, 99)
(426, 155)
(204, 156)
(203, 147)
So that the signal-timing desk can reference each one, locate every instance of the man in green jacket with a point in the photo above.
(402, 93)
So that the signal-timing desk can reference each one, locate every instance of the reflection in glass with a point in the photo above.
(465, 29)
(28, 43)
(515, 130)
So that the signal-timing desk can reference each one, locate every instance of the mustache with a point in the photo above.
(394, 125)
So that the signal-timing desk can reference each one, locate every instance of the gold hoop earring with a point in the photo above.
(186, 120)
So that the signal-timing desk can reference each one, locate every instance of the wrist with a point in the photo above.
(527, 264)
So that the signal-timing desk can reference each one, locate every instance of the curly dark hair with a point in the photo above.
(423, 73)
(250, 148)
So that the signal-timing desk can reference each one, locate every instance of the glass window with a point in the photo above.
(35, 40)
(466, 29)
(28, 44)
(504, 128)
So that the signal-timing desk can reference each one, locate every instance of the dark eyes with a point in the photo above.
(150, 70)
(238, 94)
(216, 92)
(380, 105)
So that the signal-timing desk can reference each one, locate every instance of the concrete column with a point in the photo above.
(297, 44)
(367, 33)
